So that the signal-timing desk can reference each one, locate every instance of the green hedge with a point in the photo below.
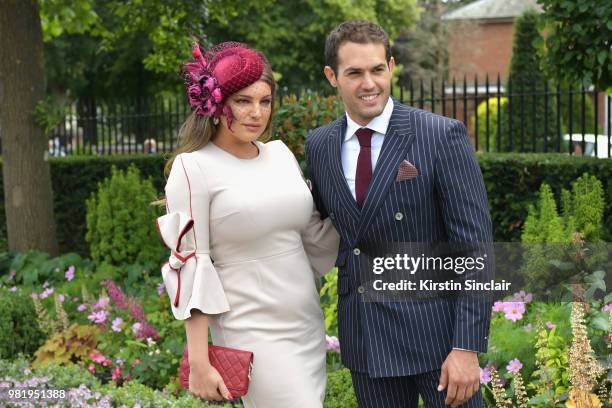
(512, 181)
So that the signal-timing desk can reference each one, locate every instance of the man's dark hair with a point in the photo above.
(357, 31)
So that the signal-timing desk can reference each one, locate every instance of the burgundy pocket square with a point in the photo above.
(406, 171)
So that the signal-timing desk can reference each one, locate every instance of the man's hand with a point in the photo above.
(461, 374)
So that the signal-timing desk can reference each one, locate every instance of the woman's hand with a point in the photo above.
(206, 382)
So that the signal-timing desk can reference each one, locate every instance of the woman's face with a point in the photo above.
(251, 107)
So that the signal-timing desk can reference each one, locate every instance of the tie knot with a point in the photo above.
(365, 137)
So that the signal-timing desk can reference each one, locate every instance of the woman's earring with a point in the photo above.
(216, 121)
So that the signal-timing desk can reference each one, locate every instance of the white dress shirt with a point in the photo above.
(350, 146)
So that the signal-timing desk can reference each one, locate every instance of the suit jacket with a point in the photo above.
(446, 202)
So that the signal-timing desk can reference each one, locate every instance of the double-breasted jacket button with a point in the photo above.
(399, 216)
(361, 289)
(356, 251)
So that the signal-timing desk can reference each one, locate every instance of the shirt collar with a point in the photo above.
(379, 124)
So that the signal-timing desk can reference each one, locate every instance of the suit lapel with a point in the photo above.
(399, 137)
(334, 157)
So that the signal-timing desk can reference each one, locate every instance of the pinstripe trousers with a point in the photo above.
(403, 392)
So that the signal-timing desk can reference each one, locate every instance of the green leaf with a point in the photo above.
(601, 323)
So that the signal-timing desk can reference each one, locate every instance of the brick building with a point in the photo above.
(480, 37)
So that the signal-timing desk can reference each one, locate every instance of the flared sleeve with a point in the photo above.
(189, 276)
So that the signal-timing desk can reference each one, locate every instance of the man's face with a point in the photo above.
(363, 79)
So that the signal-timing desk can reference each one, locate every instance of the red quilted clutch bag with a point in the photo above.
(233, 365)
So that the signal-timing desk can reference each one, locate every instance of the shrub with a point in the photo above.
(329, 301)
(295, 118)
(121, 221)
(581, 220)
(494, 139)
(339, 392)
(68, 346)
(19, 331)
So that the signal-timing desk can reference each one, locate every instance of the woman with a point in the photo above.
(243, 205)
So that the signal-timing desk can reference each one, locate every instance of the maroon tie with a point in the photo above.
(364, 165)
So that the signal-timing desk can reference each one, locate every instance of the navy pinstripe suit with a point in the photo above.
(447, 202)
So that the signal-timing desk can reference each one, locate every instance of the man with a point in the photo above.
(385, 172)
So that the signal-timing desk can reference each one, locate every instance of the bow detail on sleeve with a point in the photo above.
(176, 230)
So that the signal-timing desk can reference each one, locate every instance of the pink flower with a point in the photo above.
(98, 317)
(607, 308)
(12, 275)
(210, 84)
(97, 357)
(116, 324)
(61, 298)
(46, 293)
(161, 288)
(332, 343)
(136, 328)
(514, 366)
(136, 362)
(81, 307)
(498, 306)
(102, 303)
(91, 368)
(550, 325)
(34, 295)
(115, 293)
(70, 273)
(514, 310)
(45, 284)
(136, 310)
(13, 289)
(146, 330)
(217, 95)
(116, 373)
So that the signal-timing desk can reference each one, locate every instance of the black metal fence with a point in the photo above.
(500, 117)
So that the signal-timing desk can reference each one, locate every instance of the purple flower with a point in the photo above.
(46, 293)
(13, 289)
(550, 325)
(161, 288)
(485, 374)
(522, 297)
(332, 343)
(115, 293)
(136, 328)
(498, 306)
(102, 303)
(81, 307)
(70, 273)
(34, 295)
(514, 310)
(514, 366)
(61, 298)
(116, 324)
(45, 284)
(607, 308)
(98, 317)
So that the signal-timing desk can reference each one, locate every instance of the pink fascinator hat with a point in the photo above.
(221, 71)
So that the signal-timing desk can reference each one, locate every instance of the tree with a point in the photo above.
(527, 78)
(423, 50)
(579, 41)
(292, 34)
(26, 174)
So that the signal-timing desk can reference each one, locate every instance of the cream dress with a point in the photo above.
(248, 246)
